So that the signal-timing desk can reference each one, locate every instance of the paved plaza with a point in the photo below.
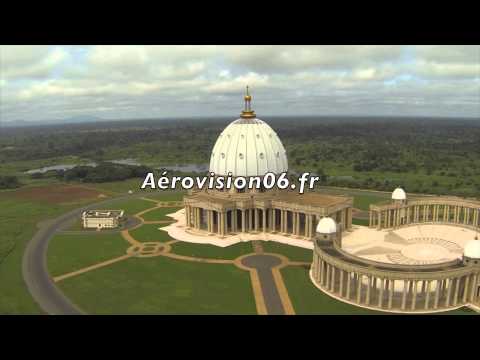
(412, 245)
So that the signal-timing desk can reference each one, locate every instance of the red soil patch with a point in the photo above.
(57, 194)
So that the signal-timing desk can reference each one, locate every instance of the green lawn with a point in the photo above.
(294, 253)
(363, 222)
(363, 202)
(132, 206)
(150, 232)
(211, 251)
(68, 253)
(159, 214)
(162, 286)
(166, 195)
(307, 299)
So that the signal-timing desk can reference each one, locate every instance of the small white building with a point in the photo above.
(101, 219)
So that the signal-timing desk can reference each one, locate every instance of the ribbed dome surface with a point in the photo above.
(248, 147)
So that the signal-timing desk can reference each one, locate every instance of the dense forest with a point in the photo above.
(421, 154)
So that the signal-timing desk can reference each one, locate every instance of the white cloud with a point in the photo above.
(29, 61)
(149, 81)
(238, 84)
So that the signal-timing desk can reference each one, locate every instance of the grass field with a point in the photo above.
(292, 252)
(150, 232)
(361, 198)
(18, 219)
(67, 253)
(307, 299)
(159, 214)
(162, 286)
(132, 206)
(212, 251)
(166, 195)
(363, 222)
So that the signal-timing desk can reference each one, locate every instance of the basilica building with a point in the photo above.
(249, 147)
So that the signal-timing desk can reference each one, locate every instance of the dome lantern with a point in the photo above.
(247, 112)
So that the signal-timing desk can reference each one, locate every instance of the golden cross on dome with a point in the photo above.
(247, 112)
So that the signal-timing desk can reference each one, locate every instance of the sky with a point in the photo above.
(40, 83)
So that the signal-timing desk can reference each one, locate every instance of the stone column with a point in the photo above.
(294, 223)
(473, 288)
(234, 220)
(359, 288)
(404, 296)
(219, 223)
(332, 284)
(391, 285)
(298, 224)
(449, 292)
(414, 298)
(379, 224)
(243, 220)
(349, 277)
(369, 285)
(455, 295)
(465, 288)
(327, 285)
(437, 294)
(250, 219)
(264, 220)
(349, 218)
(282, 228)
(380, 295)
(209, 229)
(427, 295)
(274, 220)
(341, 283)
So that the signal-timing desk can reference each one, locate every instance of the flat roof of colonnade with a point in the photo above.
(428, 200)
(280, 198)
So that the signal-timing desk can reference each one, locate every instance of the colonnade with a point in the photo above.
(392, 216)
(386, 290)
(252, 220)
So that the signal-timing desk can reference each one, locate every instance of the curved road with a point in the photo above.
(34, 264)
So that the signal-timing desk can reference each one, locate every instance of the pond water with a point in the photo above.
(48, 168)
(65, 167)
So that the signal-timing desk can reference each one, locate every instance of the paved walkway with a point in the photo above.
(270, 292)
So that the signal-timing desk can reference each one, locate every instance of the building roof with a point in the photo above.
(248, 147)
(399, 194)
(472, 249)
(326, 225)
(102, 214)
(310, 198)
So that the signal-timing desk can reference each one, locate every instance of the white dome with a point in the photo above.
(472, 249)
(327, 226)
(399, 194)
(248, 147)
